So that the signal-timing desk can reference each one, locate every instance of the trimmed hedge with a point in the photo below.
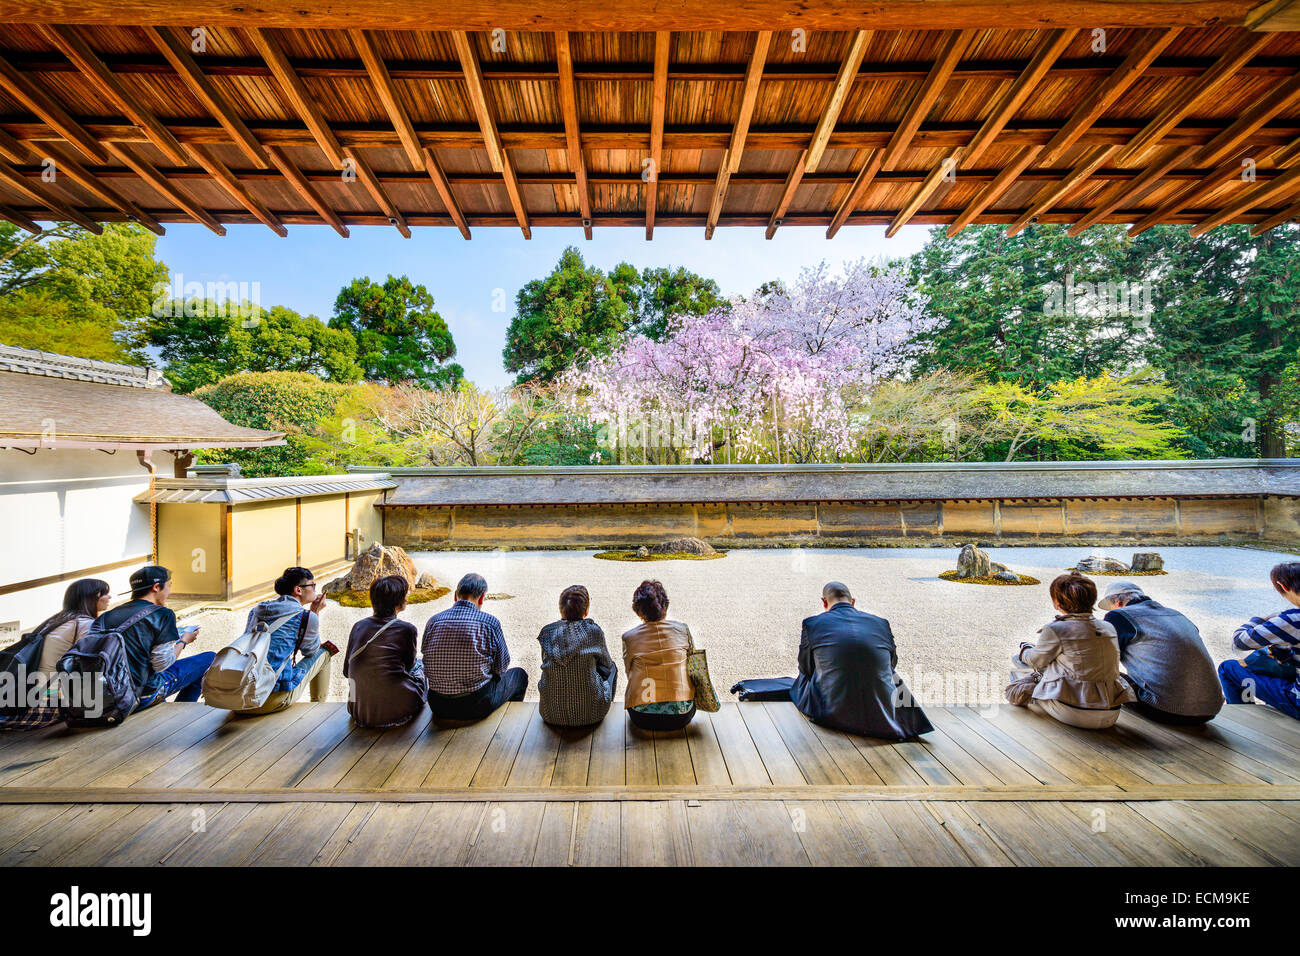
(286, 402)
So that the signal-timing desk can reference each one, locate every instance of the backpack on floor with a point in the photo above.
(240, 678)
(107, 693)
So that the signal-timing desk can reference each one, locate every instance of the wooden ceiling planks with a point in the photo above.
(689, 127)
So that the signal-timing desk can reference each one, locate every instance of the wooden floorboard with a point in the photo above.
(751, 785)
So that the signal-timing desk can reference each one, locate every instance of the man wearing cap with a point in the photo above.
(153, 645)
(1164, 658)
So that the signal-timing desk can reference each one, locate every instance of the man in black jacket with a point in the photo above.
(846, 673)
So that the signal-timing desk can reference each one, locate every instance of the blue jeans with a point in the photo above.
(184, 678)
(1277, 692)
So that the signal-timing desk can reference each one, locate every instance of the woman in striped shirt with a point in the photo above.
(578, 675)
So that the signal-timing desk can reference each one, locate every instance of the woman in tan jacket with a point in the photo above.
(659, 692)
(1075, 663)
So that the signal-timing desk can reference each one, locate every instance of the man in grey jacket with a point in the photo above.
(1164, 658)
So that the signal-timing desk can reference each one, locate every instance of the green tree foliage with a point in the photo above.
(994, 296)
(1225, 334)
(204, 341)
(661, 293)
(399, 336)
(90, 291)
(289, 402)
(578, 311)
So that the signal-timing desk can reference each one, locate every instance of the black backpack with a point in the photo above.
(21, 658)
(107, 692)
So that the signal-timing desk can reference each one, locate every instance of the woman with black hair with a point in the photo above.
(579, 678)
(386, 685)
(83, 601)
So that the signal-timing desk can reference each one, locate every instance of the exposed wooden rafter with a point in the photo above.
(965, 157)
(303, 187)
(377, 192)
(109, 85)
(658, 108)
(568, 97)
(874, 160)
(497, 156)
(158, 181)
(237, 190)
(37, 192)
(39, 102)
(731, 158)
(177, 52)
(1148, 47)
(1256, 195)
(294, 92)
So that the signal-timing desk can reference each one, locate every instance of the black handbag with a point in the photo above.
(764, 688)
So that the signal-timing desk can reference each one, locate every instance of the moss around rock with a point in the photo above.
(992, 579)
(362, 598)
(1118, 574)
(651, 556)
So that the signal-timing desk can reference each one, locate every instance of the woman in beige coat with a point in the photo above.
(1075, 663)
(659, 691)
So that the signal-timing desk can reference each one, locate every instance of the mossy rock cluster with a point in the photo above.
(674, 556)
(995, 581)
(1119, 574)
(362, 598)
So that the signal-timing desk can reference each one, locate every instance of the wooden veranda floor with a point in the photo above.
(184, 784)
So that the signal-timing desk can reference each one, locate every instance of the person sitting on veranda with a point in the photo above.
(83, 601)
(466, 660)
(660, 695)
(153, 645)
(1164, 658)
(295, 613)
(847, 678)
(386, 685)
(1075, 664)
(578, 678)
(1268, 674)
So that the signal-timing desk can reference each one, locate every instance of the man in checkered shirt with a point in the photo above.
(466, 659)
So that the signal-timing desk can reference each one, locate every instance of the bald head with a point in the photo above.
(834, 592)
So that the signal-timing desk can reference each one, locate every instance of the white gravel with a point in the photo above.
(746, 608)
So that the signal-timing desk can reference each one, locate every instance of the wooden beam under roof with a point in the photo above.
(237, 190)
(839, 93)
(650, 15)
(810, 156)
(39, 102)
(19, 220)
(497, 156)
(1171, 113)
(658, 108)
(377, 192)
(1288, 214)
(1259, 194)
(1049, 194)
(205, 91)
(296, 95)
(303, 187)
(568, 97)
(1148, 47)
(159, 182)
(387, 92)
(874, 161)
(110, 86)
(951, 48)
(1226, 144)
(1048, 51)
(731, 158)
(791, 186)
(88, 181)
(37, 193)
(443, 186)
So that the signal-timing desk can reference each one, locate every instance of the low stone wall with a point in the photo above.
(1204, 503)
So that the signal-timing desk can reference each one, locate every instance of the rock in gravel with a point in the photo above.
(374, 563)
(972, 562)
(1095, 562)
(1147, 561)
(1009, 576)
(643, 552)
(683, 546)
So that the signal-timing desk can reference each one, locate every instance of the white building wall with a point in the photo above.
(63, 512)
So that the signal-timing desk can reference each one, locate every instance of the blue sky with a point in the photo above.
(306, 270)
